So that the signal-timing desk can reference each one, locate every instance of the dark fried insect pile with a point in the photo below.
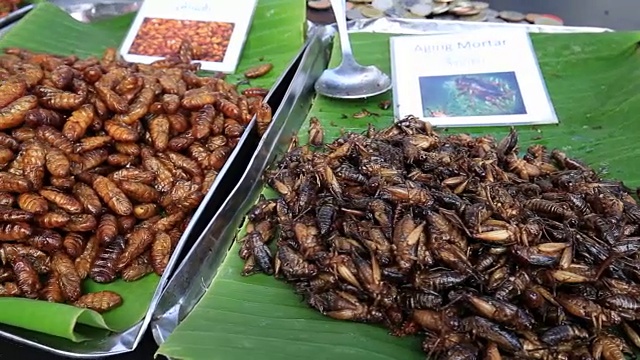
(102, 164)
(487, 253)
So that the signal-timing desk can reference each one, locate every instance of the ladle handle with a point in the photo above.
(339, 11)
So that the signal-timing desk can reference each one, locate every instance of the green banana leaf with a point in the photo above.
(276, 36)
(592, 81)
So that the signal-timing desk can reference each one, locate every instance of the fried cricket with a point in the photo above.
(485, 253)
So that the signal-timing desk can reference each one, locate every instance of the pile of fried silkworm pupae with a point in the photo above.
(488, 254)
(102, 164)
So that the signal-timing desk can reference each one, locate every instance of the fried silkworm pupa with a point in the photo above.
(26, 277)
(8, 214)
(138, 268)
(159, 132)
(39, 116)
(170, 103)
(13, 183)
(145, 211)
(258, 71)
(85, 260)
(228, 108)
(196, 99)
(126, 223)
(33, 162)
(127, 148)
(57, 163)
(62, 183)
(37, 258)
(202, 122)
(137, 243)
(88, 198)
(52, 292)
(139, 191)
(53, 219)
(15, 231)
(101, 301)
(107, 229)
(68, 277)
(73, 244)
(255, 92)
(81, 223)
(112, 196)
(78, 123)
(13, 115)
(91, 143)
(103, 269)
(46, 240)
(62, 200)
(11, 91)
(133, 175)
(161, 252)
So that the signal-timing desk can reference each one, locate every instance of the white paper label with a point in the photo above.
(480, 78)
(218, 29)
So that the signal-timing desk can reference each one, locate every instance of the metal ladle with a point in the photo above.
(350, 80)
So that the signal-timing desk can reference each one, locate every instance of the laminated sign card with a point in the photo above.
(475, 78)
(216, 29)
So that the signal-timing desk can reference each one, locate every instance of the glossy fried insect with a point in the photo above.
(73, 244)
(85, 260)
(33, 203)
(77, 124)
(26, 277)
(459, 238)
(316, 133)
(52, 291)
(68, 276)
(137, 242)
(11, 91)
(39, 116)
(112, 195)
(138, 268)
(64, 201)
(255, 92)
(57, 163)
(13, 183)
(258, 71)
(13, 115)
(15, 231)
(145, 211)
(53, 219)
(263, 118)
(88, 198)
(160, 252)
(103, 269)
(101, 301)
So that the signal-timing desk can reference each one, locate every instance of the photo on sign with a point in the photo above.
(485, 94)
(162, 37)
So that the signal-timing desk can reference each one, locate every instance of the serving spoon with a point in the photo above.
(350, 80)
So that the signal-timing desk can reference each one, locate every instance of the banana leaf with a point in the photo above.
(591, 79)
(276, 36)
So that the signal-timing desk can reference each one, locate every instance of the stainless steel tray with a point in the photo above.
(196, 273)
(128, 340)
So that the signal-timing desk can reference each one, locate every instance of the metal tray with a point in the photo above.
(196, 273)
(126, 341)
